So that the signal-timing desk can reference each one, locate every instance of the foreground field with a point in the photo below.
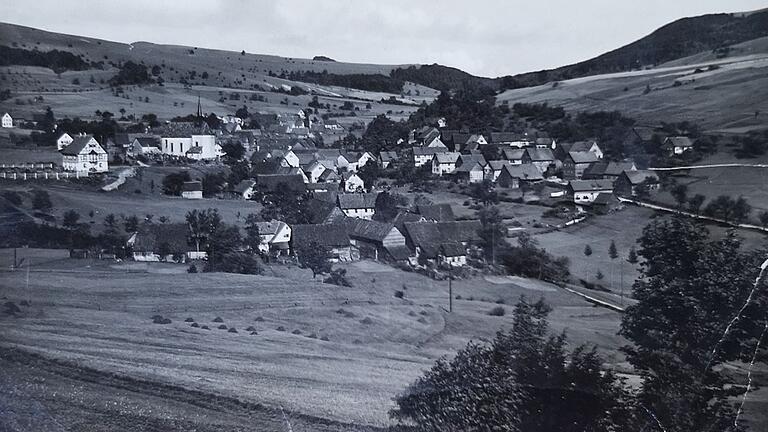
(98, 315)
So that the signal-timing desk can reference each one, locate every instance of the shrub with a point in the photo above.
(195, 325)
(497, 311)
(205, 327)
(232, 330)
(259, 319)
(192, 269)
(324, 338)
(158, 319)
(458, 297)
(312, 335)
(218, 319)
(500, 301)
(254, 333)
(223, 327)
(338, 277)
(296, 332)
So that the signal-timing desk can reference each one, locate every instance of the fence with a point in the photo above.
(22, 176)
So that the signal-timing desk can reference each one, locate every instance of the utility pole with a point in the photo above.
(450, 288)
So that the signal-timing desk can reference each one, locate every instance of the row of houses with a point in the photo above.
(428, 234)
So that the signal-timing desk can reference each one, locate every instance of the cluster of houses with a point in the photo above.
(425, 234)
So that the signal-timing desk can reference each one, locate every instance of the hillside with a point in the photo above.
(682, 38)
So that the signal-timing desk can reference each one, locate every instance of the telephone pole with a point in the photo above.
(450, 289)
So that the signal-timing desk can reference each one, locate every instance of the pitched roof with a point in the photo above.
(192, 186)
(329, 235)
(472, 158)
(539, 155)
(367, 229)
(244, 186)
(590, 185)
(323, 212)
(453, 249)
(497, 165)
(446, 158)
(513, 154)
(502, 137)
(429, 151)
(437, 212)
(429, 236)
(183, 129)
(357, 200)
(149, 237)
(582, 157)
(388, 156)
(77, 145)
(605, 198)
(679, 141)
(269, 228)
(638, 176)
(522, 171)
(272, 182)
(147, 141)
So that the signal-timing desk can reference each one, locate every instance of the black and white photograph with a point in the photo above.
(384, 216)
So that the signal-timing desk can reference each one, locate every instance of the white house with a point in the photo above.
(359, 205)
(64, 140)
(245, 189)
(7, 121)
(585, 191)
(677, 145)
(197, 147)
(423, 155)
(85, 154)
(444, 163)
(144, 146)
(357, 161)
(192, 190)
(275, 237)
(352, 182)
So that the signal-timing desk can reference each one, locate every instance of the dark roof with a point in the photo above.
(183, 129)
(522, 171)
(581, 157)
(471, 159)
(367, 229)
(328, 235)
(429, 236)
(638, 176)
(590, 185)
(513, 154)
(603, 168)
(244, 185)
(453, 249)
(77, 145)
(502, 137)
(272, 182)
(605, 198)
(678, 141)
(149, 237)
(358, 200)
(323, 212)
(540, 154)
(148, 141)
(388, 156)
(398, 252)
(437, 212)
(192, 186)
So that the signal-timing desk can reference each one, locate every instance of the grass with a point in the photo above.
(96, 312)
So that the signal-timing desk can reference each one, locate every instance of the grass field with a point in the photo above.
(98, 314)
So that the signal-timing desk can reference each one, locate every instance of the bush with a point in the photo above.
(338, 277)
(250, 328)
(259, 319)
(497, 311)
(222, 327)
(191, 269)
(195, 325)
(296, 332)
(232, 330)
(218, 320)
(528, 260)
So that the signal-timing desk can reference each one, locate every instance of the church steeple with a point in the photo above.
(199, 109)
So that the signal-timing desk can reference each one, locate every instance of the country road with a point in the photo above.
(692, 215)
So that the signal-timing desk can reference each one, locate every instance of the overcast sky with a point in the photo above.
(483, 37)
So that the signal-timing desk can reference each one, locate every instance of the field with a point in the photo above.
(66, 197)
(98, 315)
(724, 98)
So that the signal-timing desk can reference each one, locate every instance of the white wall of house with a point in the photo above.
(588, 196)
(198, 194)
(353, 183)
(419, 160)
(92, 158)
(176, 146)
(442, 168)
(64, 140)
(362, 213)
(7, 121)
(456, 261)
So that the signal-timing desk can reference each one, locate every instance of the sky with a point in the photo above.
(484, 37)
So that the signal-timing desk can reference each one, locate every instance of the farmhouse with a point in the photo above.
(357, 160)
(514, 156)
(542, 158)
(281, 183)
(607, 170)
(387, 158)
(516, 176)
(471, 172)
(329, 236)
(629, 183)
(314, 170)
(677, 145)
(579, 146)
(144, 146)
(444, 163)
(275, 237)
(436, 212)
(358, 205)
(84, 154)
(64, 140)
(423, 155)
(245, 189)
(7, 121)
(376, 240)
(162, 242)
(352, 182)
(192, 190)
(576, 162)
(430, 240)
(585, 191)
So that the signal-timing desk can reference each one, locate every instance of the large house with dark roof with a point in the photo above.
(677, 145)
(629, 182)
(358, 205)
(85, 154)
(162, 242)
(576, 162)
(516, 176)
(376, 240)
(542, 158)
(275, 237)
(184, 139)
(586, 191)
(438, 241)
(330, 236)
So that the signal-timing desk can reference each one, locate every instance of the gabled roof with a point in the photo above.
(605, 198)
(388, 156)
(323, 212)
(453, 249)
(502, 137)
(367, 229)
(147, 142)
(591, 185)
(192, 186)
(430, 236)
(328, 235)
(497, 165)
(638, 176)
(446, 158)
(328, 175)
(429, 151)
(244, 186)
(471, 159)
(513, 154)
(270, 228)
(78, 144)
(583, 157)
(183, 129)
(149, 237)
(678, 141)
(523, 172)
(437, 212)
(357, 200)
(540, 155)
(272, 182)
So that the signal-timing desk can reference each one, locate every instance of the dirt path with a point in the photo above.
(58, 396)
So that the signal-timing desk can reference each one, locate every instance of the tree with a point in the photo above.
(110, 223)
(523, 380)
(612, 252)
(369, 173)
(679, 193)
(388, 205)
(599, 275)
(213, 183)
(728, 209)
(172, 183)
(587, 250)
(234, 150)
(763, 219)
(527, 259)
(131, 224)
(243, 113)
(492, 232)
(315, 257)
(632, 256)
(252, 235)
(41, 200)
(338, 277)
(695, 203)
(200, 226)
(71, 219)
(689, 291)
(485, 193)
